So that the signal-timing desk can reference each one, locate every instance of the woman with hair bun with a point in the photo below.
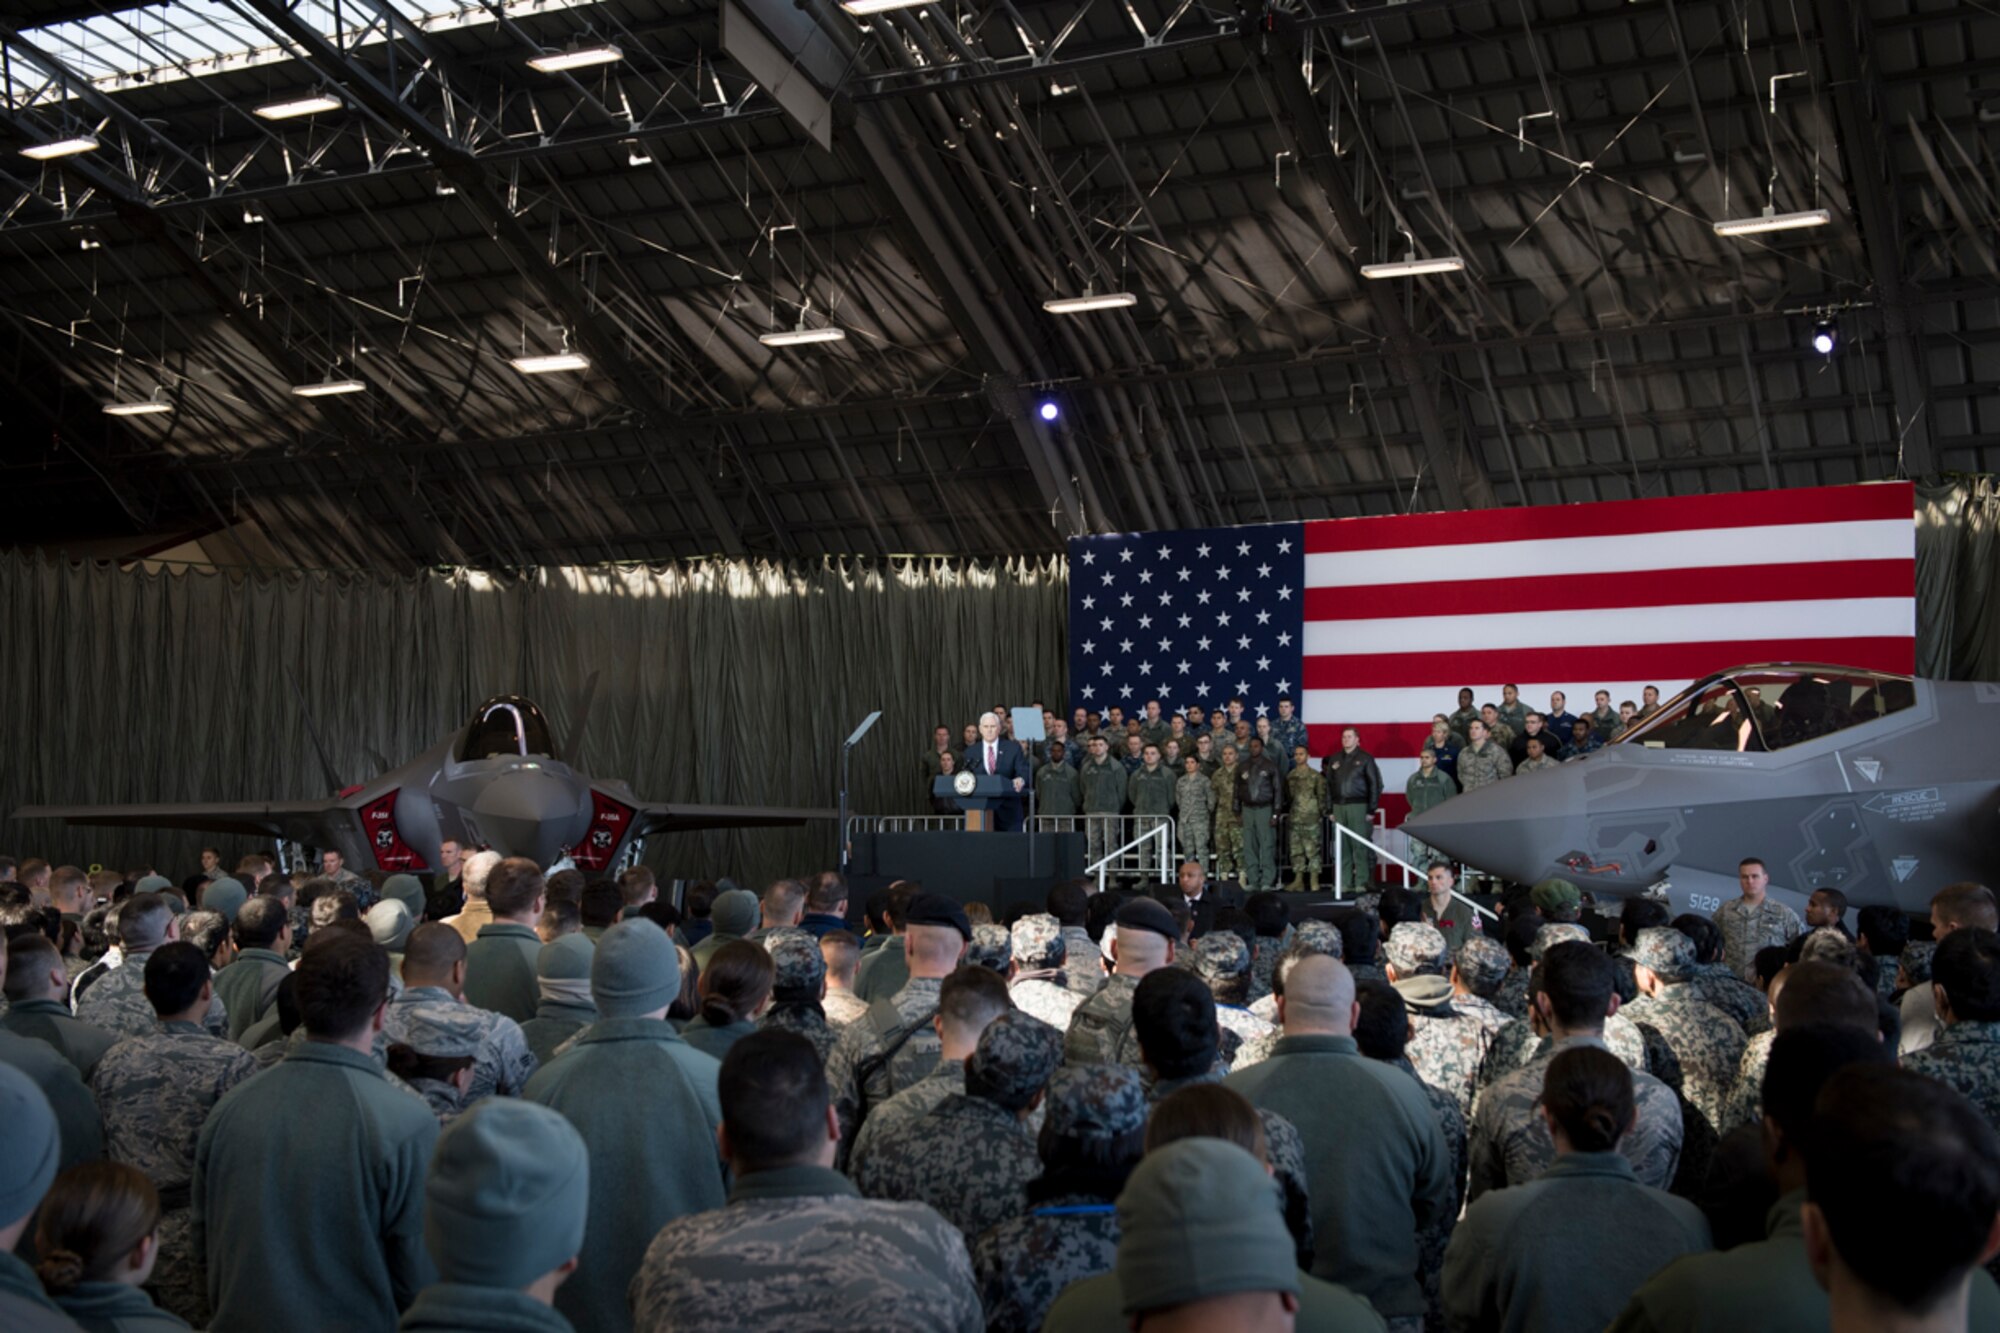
(98, 1235)
(1566, 1251)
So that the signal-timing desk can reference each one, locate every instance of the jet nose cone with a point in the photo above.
(532, 812)
(1518, 827)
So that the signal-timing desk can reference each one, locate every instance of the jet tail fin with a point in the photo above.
(572, 752)
(333, 782)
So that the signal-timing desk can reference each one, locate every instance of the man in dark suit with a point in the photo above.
(1201, 899)
(1002, 757)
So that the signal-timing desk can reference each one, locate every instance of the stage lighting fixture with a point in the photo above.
(1825, 337)
(1048, 411)
(1076, 305)
(42, 152)
(145, 407)
(303, 106)
(555, 62)
(1771, 221)
(550, 363)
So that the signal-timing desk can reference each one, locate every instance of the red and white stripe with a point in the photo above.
(1402, 612)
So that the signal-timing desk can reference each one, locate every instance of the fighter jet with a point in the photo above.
(1881, 786)
(498, 782)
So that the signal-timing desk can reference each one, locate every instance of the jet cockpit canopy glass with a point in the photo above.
(1771, 707)
(506, 724)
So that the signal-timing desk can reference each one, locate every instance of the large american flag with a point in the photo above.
(1376, 623)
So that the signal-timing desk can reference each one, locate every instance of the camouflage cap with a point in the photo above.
(1315, 936)
(1038, 941)
(1666, 951)
(1221, 955)
(992, 947)
(1482, 965)
(389, 922)
(1417, 949)
(1916, 960)
(799, 965)
(1016, 1054)
(1095, 1101)
(1558, 932)
(1827, 945)
(443, 1031)
(1554, 895)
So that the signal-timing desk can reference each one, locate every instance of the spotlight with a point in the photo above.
(1048, 411)
(1825, 337)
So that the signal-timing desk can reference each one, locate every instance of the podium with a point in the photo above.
(987, 790)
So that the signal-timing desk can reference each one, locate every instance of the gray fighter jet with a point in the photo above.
(495, 782)
(1882, 786)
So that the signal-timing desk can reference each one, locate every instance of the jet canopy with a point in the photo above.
(1763, 708)
(506, 724)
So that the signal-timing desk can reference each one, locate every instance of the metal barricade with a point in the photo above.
(1132, 846)
(1412, 875)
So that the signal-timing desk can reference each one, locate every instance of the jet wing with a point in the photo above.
(664, 817)
(312, 822)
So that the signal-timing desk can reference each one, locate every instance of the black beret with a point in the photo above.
(934, 909)
(1145, 914)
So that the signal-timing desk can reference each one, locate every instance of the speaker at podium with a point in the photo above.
(975, 794)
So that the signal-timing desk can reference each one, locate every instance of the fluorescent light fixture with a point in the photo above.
(329, 388)
(1770, 221)
(555, 62)
(1414, 267)
(802, 334)
(304, 106)
(1076, 305)
(144, 408)
(42, 152)
(552, 362)
(861, 8)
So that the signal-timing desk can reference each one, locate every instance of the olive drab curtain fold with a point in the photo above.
(719, 683)
(1958, 578)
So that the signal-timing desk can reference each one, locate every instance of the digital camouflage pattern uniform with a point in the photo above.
(1264, 964)
(1023, 1263)
(1714, 983)
(1434, 1237)
(1305, 799)
(1083, 962)
(889, 1049)
(799, 969)
(1707, 1042)
(888, 1122)
(1510, 1145)
(1746, 1101)
(155, 1092)
(1534, 765)
(1103, 798)
(1194, 794)
(118, 1003)
(1966, 1056)
(1100, 1031)
(1483, 764)
(1746, 929)
(503, 1064)
(1038, 987)
(1517, 1045)
(971, 1156)
(798, 1247)
(1228, 823)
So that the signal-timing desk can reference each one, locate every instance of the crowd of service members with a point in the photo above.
(510, 1101)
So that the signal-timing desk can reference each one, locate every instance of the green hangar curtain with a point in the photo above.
(1958, 578)
(719, 682)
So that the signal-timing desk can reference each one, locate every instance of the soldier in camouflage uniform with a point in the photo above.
(1484, 759)
(992, 948)
(1194, 794)
(155, 1092)
(1497, 727)
(1465, 714)
(117, 1002)
(1207, 757)
(1511, 710)
(1100, 1031)
(1445, 1047)
(434, 983)
(1155, 729)
(435, 1055)
(798, 984)
(1510, 1145)
(1091, 1136)
(897, 1043)
(1706, 1041)
(1228, 818)
(795, 1247)
(1222, 961)
(1715, 984)
(1753, 921)
(1037, 985)
(1480, 967)
(1103, 780)
(1538, 757)
(1288, 732)
(971, 1156)
(1305, 797)
(1150, 791)
(1966, 1053)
